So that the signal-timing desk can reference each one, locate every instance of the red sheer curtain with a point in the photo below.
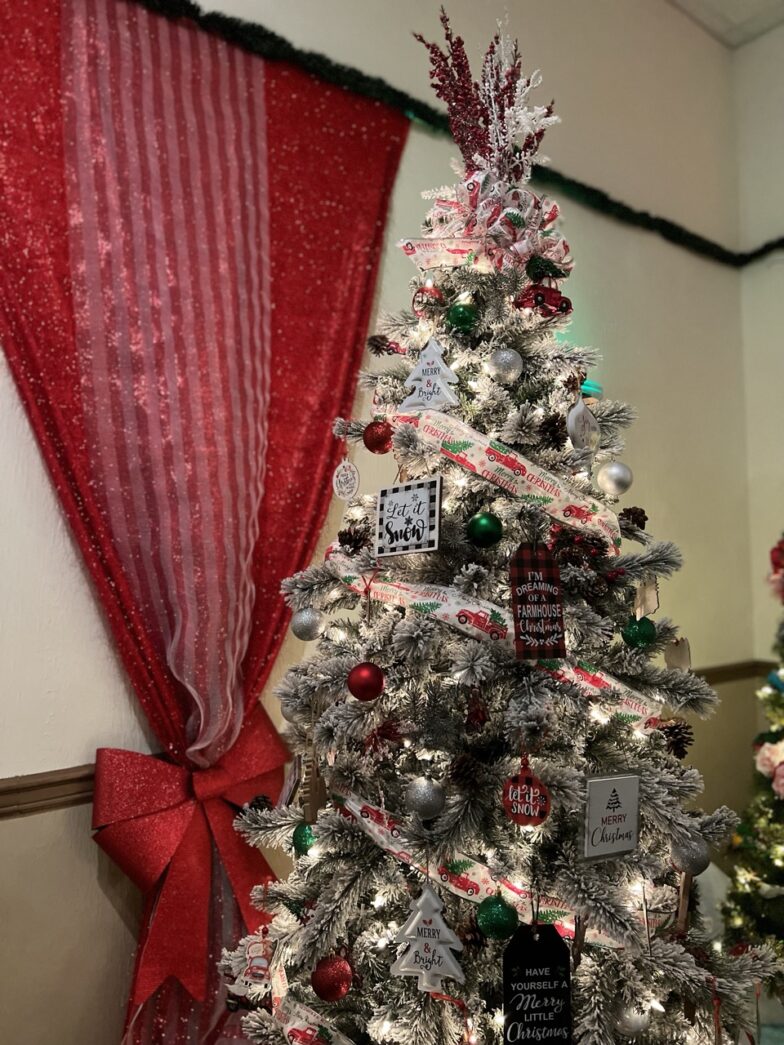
(189, 241)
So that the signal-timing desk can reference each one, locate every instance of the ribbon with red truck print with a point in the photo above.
(484, 620)
(471, 879)
(504, 467)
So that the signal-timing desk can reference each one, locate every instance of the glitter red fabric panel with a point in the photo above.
(331, 160)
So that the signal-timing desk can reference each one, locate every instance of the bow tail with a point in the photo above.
(176, 941)
(245, 866)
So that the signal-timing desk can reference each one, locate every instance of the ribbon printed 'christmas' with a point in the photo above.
(499, 464)
(470, 879)
(484, 620)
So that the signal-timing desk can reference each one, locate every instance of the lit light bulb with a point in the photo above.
(378, 901)
(386, 1027)
(636, 888)
(718, 946)
(599, 714)
(314, 852)
(656, 1005)
(498, 1018)
(382, 943)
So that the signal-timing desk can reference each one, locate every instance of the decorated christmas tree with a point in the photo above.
(486, 706)
(754, 911)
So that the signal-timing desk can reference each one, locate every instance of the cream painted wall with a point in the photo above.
(759, 107)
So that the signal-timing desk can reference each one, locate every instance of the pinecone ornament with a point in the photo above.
(636, 516)
(678, 734)
(354, 538)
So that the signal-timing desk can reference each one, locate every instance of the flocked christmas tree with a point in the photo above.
(754, 911)
(490, 717)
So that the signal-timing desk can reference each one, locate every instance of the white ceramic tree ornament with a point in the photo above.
(430, 945)
(430, 380)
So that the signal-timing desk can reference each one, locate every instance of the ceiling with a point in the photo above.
(734, 22)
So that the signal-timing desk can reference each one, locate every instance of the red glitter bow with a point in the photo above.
(154, 819)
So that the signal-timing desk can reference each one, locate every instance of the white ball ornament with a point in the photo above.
(504, 365)
(692, 856)
(425, 797)
(614, 478)
(632, 1023)
(307, 624)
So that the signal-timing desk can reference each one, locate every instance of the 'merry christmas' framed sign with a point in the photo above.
(408, 517)
(612, 816)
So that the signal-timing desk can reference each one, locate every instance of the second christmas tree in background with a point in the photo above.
(754, 911)
(508, 837)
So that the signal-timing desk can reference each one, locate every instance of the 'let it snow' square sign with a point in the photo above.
(408, 517)
(612, 816)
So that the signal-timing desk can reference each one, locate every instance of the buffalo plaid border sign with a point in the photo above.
(537, 603)
(393, 533)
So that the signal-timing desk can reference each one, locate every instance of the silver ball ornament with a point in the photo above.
(504, 365)
(693, 856)
(632, 1022)
(307, 624)
(614, 478)
(425, 797)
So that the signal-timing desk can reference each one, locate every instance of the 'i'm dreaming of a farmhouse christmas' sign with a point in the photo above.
(408, 517)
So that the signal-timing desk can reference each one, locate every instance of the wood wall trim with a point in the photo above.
(60, 788)
(743, 669)
(41, 792)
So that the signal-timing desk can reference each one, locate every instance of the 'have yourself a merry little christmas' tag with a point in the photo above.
(537, 998)
(345, 480)
(537, 604)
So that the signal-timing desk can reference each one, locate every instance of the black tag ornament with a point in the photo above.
(537, 993)
(537, 604)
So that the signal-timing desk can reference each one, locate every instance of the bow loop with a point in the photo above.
(159, 821)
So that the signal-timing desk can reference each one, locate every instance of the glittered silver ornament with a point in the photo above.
(632, 1023)
(504, 365)
(693, 856)
(614, 478)
(425, 797)
(307, 624)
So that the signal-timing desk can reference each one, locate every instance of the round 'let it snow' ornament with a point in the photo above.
(614, 478)
(639, 633)
(462, 316)
(526, 799)
(307, 624)
(377, 437)
(504, 365)
(366, 681)
(426, 299)
(332, 978)
(484, 529)
(496, 918)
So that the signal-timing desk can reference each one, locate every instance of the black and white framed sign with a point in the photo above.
(612, 816)
(537, 996)
(409, 517)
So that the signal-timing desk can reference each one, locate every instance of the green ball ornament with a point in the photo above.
(462, 316)
(484, 529)
(496, 918)
(639, 633)
(303, 839)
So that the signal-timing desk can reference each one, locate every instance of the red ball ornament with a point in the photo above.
(377, 437)
(366, 681)
(332, 977)
(526, 799)
(426, 298)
